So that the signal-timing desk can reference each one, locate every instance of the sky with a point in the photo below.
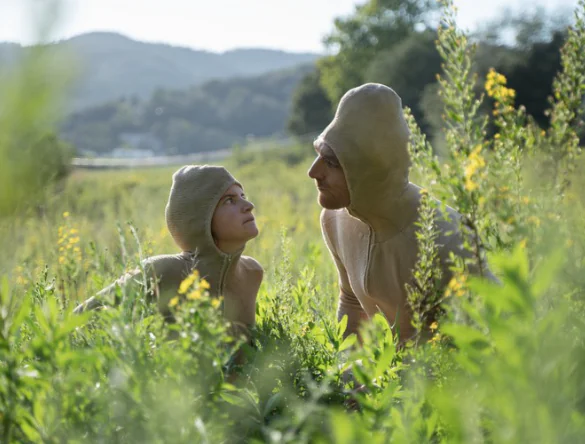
(220, 25)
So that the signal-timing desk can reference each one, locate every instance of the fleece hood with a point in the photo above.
(369, 136)
(195, 193)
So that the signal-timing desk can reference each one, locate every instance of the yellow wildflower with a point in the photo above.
(66, 214)
(475, 162)
(61, 260)
(434, 326)
(204, 285)
(174, 301)
(455, 286)
(188, 282)
(470, 185)
(215, 303)
(194, 295)
(523, 243)
(435, 339)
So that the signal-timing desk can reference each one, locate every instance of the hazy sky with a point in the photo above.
(217, 25)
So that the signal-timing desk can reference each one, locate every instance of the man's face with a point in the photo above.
(329, 178)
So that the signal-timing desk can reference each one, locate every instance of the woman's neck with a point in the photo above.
(230, 247)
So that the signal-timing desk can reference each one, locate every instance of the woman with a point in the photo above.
(210, 220)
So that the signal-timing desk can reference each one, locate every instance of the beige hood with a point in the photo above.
(195, 193)
(370, 137)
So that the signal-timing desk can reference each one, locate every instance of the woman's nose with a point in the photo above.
(248, 206)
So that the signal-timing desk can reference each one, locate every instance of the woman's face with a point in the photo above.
(233, 223)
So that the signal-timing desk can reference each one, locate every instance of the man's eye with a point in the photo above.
(331, 164)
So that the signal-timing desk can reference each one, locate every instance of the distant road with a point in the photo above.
(110, 163)
(208, 156)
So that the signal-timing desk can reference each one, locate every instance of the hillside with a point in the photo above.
(214, 115)
(110, 65)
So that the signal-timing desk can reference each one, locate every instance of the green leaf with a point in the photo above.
(71, 323)
(342, 325)
(22, 312)
(232, 399)
(466, 337)
(348, 342)
(546, 271)
(385, 360)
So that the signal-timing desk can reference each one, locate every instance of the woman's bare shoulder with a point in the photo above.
(251, 265)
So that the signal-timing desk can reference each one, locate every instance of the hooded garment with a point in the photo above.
(195, 193)
(373, 241)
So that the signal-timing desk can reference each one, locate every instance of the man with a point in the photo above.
(371, 208)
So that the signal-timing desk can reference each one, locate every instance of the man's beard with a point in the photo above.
(329, 202)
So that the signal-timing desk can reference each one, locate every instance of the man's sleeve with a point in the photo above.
(348, 303)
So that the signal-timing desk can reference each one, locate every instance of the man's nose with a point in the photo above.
(315, 170)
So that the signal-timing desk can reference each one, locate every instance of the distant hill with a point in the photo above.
(111, 65)
(207, 117)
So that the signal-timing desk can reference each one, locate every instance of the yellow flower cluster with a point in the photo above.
(193, 288)
(188, 282)
(435, 339)
(495, 87)
(475, 162)
(68, 242)
(456, 286)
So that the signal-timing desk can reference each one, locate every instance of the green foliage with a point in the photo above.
(374, 27)
(408, 67)
(207, 117)
(392, 43)
(311, 108)
(33, 157)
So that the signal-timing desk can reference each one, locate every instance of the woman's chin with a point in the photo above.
(250, 231)
(253, 231)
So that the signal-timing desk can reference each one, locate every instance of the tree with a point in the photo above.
(533, 79)
(311, 109)
(408, 67)
(376, 26)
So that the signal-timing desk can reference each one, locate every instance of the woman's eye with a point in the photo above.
(229, 200)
